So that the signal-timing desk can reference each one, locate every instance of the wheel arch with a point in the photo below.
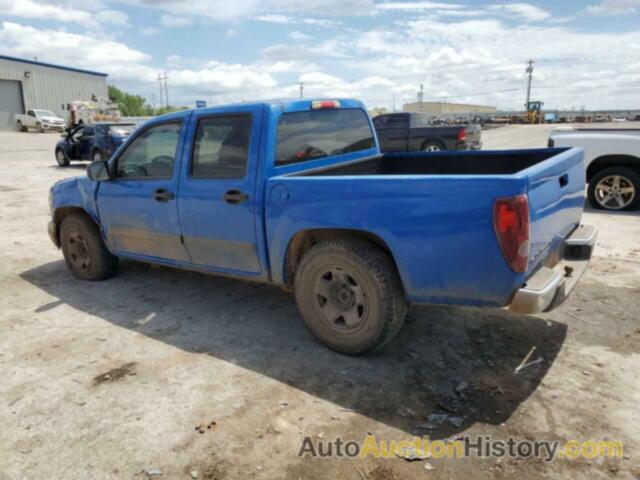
(437, 140)
(606, 161)
(303, 240)
(63, 212)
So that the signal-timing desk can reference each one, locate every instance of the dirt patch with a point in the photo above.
(115, 374)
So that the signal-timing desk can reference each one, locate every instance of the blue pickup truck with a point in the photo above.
(297, 194)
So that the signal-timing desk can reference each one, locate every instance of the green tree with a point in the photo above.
(129, 105)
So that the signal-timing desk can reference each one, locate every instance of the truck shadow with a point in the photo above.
(450, 360)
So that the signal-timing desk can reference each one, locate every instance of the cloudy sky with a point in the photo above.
(586, 52)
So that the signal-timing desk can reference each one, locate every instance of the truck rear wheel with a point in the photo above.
(84, 251)
(615, 188)
(20, 127)
(433, 146)
(350, 295)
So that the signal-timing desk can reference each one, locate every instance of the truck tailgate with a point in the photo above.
(473, 133)
(556, 200)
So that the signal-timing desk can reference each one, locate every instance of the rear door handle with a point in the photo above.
(235, 197)
(163, 195)
(564, 180)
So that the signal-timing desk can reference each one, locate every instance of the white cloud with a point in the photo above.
(231, 33)
(298, 36)
(73, 49)
(174, 21)
(416, 6)
(112, 17)
(224, 10)
(131, 68)
(614, 7)
(92, 17)
(524, 11)
(275, 18)
(148, 31)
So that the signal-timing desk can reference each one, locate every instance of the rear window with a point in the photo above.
(304, 136)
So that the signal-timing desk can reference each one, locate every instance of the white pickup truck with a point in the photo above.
(612, 160)
(40, 120)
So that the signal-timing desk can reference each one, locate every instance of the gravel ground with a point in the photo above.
(159, 373)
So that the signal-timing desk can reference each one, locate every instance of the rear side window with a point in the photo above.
(391, 121)
(304, 136)
(221, 147)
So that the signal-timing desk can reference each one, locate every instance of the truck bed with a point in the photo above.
(505, 162)
(435, 212)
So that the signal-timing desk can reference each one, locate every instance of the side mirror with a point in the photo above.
(98, 171)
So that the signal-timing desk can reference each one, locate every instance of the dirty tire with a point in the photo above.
(350, 295)
(84, 251)
(61, 158)
(39, 128)
(433, 146)
(629, 178)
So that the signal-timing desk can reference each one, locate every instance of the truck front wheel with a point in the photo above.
(350, 295)
(84, 251)
(615, 188)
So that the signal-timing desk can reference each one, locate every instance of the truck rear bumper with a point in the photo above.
(549, 287)
(469, 146)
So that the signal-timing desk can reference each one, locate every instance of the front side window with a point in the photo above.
(304, 136)
(221, 147)
(77, 133)
(152, 154)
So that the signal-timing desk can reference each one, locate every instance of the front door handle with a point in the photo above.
(235, 197)
(163, 195)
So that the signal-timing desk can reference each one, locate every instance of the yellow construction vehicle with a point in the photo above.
(534, 112)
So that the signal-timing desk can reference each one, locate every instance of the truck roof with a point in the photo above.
(286, 105)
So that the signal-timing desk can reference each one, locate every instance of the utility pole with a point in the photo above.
(301, 89)
(421, 96)
(394, 102)
(163, 88)
(530, 72)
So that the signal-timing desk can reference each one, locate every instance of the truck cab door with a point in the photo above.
(85, 142)
(138, 207)
(217, 198)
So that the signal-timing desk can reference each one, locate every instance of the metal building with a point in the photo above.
(28, 84)
(436, 108)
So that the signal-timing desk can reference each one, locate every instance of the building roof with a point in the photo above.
(51, 65)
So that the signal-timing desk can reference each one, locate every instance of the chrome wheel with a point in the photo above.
(78, 252)
(432, 147)
(60, 157)
(340, 299)
(615, 192)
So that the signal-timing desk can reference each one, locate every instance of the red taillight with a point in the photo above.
(319, 104)
(511, 222)
(462, 135)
